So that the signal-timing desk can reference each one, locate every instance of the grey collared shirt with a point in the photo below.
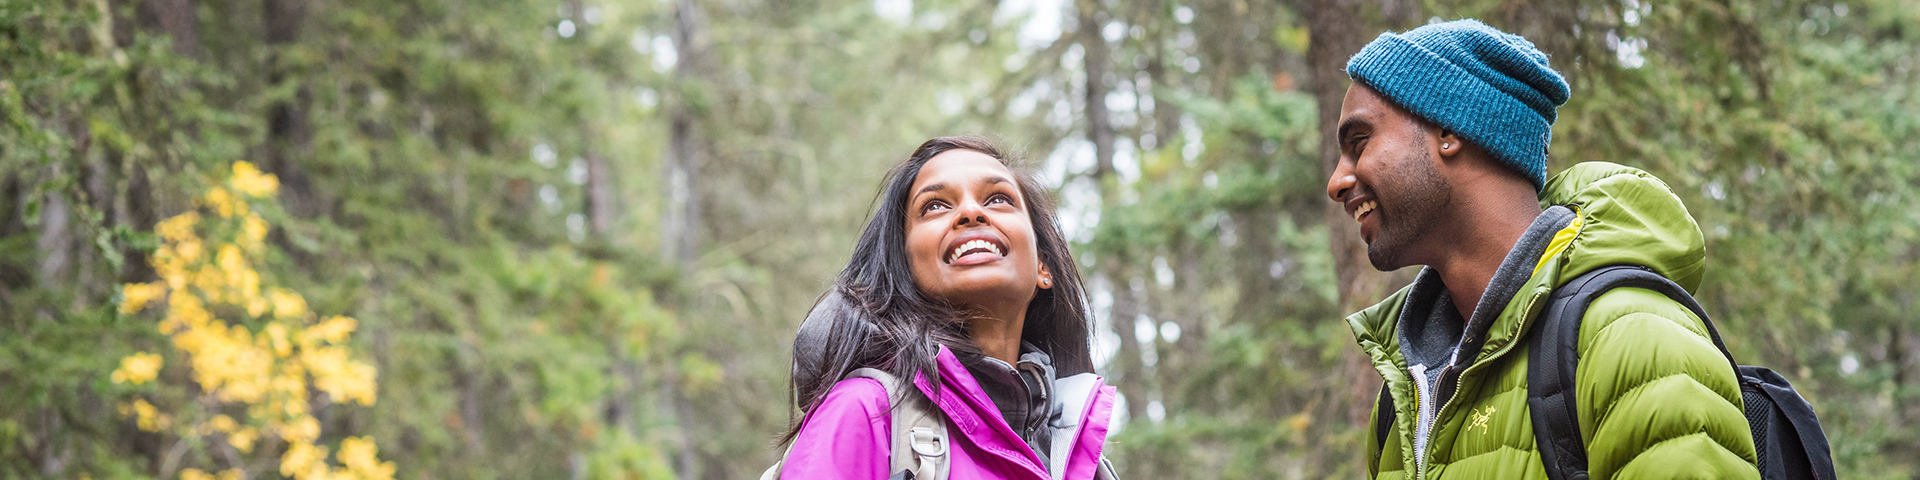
(1023, 393)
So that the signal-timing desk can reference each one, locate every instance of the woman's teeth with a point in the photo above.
(972, 246)
(1364, 208)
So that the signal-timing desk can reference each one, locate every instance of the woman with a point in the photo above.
(962, 283)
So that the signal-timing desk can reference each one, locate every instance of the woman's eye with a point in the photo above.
(929, 207)
(1000, 198)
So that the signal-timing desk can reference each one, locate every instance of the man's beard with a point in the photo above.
(1415, 196)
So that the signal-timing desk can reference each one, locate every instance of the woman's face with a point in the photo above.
(969, 238)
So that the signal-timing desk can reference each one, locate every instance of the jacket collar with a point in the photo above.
(1022, 393)
(1431, 330)
(974, 414)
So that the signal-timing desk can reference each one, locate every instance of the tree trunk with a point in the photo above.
(1336, 30)
(686, 152)
(288, 131)
(600, 208)
(1098, 66)
(176, 20)
(685, 146)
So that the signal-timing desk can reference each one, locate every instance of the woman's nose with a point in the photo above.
(970, 213)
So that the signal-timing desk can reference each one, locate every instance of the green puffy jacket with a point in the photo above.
(1657, 400)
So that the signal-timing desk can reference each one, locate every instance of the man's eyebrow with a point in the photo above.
(1347, 126)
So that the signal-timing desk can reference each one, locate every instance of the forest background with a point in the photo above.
(573, 238)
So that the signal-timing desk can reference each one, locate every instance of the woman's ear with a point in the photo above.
(1046, 278)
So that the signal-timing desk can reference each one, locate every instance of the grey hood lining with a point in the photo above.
(1430, 328)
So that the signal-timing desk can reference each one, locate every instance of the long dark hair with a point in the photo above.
(875, 316)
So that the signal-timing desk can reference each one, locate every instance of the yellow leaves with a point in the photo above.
(270, 372)
(241, 280)
(222, 203)
(338, 376)
(247, 179)
(137, 368)
(1299, 422)
(145, 415)
(136, 296)
(304, 430)
(287, 304)
(303, 460)
(277, 338)
(197, 474)
(358, 454)
(222, 423)
(179, 228)
(253, 230)
(243, 440)
(334, 330)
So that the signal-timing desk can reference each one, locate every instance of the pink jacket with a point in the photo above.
(846, 435)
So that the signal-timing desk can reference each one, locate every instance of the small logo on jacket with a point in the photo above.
(1477, 418)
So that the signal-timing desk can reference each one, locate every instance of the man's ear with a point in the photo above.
(1450, 143)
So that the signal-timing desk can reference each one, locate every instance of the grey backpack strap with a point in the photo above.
(1105, 471)
(773, 472)
(920, 442)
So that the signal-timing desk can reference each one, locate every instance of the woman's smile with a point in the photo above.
(975, 248)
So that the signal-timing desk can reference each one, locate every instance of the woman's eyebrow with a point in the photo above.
(931, 187)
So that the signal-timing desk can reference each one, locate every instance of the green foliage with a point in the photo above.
(439, 160)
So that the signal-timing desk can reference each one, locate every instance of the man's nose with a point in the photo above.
(1341, 182)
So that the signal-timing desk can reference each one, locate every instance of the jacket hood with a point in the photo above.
(1628, 217)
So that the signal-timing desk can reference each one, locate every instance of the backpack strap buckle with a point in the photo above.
(928, 443)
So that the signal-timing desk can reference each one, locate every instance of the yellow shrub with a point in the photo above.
(270, 374)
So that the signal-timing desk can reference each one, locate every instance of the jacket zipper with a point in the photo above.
(1533, 310)
(1423, 418)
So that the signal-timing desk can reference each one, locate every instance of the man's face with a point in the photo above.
(1388, 178)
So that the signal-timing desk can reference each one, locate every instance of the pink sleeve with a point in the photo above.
(847, 436)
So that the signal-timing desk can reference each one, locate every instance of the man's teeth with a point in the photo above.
(971, 246)
(1364, 208)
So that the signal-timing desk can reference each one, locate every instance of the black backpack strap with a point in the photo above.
(1382, 425)
(1555, 355)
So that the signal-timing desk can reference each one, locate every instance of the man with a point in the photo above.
(1443, 138)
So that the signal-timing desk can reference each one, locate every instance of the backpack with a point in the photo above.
(1787, 438)
(915, 430)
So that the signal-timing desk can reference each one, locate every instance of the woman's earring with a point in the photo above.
(1045, 283)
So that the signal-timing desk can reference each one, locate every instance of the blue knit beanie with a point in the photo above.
(1491, 87)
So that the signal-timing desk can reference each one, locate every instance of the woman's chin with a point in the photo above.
(975, 289)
